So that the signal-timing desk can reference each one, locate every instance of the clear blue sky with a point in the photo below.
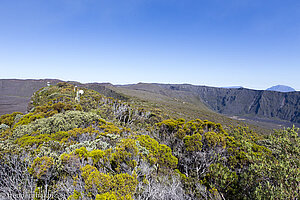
(250, 43)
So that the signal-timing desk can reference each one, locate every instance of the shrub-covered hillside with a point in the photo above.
(95, 147)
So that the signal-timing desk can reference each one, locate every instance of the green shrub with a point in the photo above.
(193, 143)
(41, 166)
(159, 153)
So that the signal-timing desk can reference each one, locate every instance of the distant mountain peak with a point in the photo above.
(281, 88)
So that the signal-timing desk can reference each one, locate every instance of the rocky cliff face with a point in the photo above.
(241, 101)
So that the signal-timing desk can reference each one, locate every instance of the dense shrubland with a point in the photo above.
(102, 148)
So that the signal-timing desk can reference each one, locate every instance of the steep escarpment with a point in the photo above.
(234, 101)
(253, 103)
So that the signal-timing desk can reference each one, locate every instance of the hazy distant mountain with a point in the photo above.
(281, 88)
(236, 87)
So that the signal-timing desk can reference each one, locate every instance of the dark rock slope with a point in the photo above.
(246, 102)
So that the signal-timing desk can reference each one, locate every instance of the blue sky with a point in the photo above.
(250, 43)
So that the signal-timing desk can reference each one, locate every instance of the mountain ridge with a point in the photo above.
(237, 103)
